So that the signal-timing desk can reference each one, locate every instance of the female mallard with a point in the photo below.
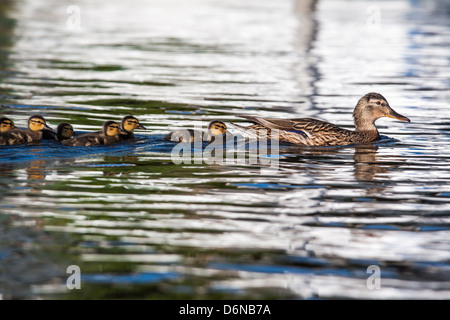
(312, 132)
(36, 126)
(109, 135)
(6, 124)
(216, 128)
(130, 123)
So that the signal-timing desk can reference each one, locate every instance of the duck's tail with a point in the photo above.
(246, 132)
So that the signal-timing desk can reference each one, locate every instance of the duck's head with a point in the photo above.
(130, 123)
(6, 124)
(217, 128)
(371, 107)
(37, 123)
(111, 128)
(65, 131)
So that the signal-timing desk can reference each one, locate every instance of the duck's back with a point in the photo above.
(128, 136)
(19, 136)
(90, 139)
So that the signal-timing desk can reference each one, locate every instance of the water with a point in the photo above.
(140, 226)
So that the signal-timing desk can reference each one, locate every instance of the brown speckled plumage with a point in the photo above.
(313, 132)
(24, 136)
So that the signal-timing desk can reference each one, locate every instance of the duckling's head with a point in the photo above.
(217, 128)
(6, 124)
(371, 107)
(64, 131)
(130, 123)
(111, 128)
(37, 123)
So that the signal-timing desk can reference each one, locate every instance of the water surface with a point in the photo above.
(140, 226)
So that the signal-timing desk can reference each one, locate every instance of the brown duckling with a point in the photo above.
(34, 133)
(216, 128)
(64, 131)
(313, 132)
(109, 135)
(6, 124)
(130, 123)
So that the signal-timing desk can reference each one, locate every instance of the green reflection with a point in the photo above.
(7, 26)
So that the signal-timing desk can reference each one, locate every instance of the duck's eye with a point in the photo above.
(378, 103)
(37, 122)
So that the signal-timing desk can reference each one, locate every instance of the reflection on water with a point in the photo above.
(140, 226)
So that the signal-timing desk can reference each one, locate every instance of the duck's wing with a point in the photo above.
(271, 123)
(263, 127)
(303, 131)
(85, 140)
(322, 133)
(17, 136)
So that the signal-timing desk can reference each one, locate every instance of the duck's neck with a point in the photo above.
(364, 124)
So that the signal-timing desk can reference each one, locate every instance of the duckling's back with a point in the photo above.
(19, 136)
(90, 139)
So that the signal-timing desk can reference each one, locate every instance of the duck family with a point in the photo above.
(298, 131)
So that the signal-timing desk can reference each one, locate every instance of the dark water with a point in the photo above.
(141, 226)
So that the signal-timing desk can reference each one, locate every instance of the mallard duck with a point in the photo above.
(313, 132)
(6, 124)
(109, 135)
(64, 131)
(216, 128)
(36, 126)
(130, 123)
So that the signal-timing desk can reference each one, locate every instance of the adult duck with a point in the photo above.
(313, 132)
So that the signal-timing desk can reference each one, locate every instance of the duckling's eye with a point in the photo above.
(38, 122)
(378, 103)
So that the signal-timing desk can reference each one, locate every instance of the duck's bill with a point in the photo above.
(142, 127)
(48, 128)
(397, 116)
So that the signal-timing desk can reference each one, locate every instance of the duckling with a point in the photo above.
(313, 132)
(130, 123)
(64, 131)
(216, 128)
(6, 124)
(34, 133)
(109, 135)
